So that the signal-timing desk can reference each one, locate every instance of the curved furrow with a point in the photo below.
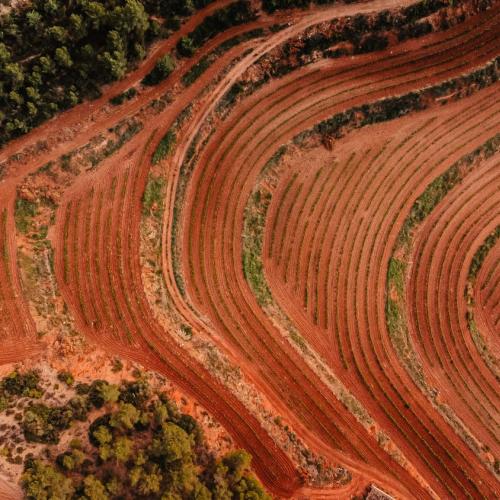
(436, 314)
(348, 253)
(115, 296)
(487, 293)
(201, 239)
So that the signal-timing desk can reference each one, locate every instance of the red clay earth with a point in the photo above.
(216, 284)
(487, 299)
(331, 236)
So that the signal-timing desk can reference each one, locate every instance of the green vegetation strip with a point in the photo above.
(476, 264)
(135, 444)
(435, 192)
(207, 60)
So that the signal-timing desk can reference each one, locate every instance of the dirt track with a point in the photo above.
(329, 235)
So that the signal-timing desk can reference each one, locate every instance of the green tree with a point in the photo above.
(114, 65)
(63, 58)
(34, 19)
(103, 435)
(5, 55)
(122, 449)
(77, 27)
(14, 74)
(43, 482)
(171, 444)
(150, 482)
(131, 18)
(125, 418)
(58, 34)
(94, 489)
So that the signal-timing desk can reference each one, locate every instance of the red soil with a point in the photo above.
(341, 261)
(216, 285)
(487, 299)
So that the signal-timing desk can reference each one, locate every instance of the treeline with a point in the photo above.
(140, 445)
(55, 53)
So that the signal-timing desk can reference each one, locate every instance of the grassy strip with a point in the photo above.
(254, 219)
(253, 236)
(435, 192)
(152, 199)
(165, 146)
(438, 188)
(24, 212)
(482, 252)
(475, 266)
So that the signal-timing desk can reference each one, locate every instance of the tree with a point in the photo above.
(171, 444)
(34, 19)
(114, 65)
(58, 34)
(4, 54)
(77, 27)
(103, 435)
(186, 47)
(14, 74)
(150, 482)
(94, 489)
(122, 449)
(42, 482)
(131, 18)
(125, 418)
(63, 58)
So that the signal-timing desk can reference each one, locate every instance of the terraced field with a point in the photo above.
(310, 253)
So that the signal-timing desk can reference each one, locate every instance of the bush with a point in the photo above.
(42, 424)
(124, 96)
(19, 384)
(42, 481)
(135, 393)
(102, 392)
(163, 68)
(66, 378)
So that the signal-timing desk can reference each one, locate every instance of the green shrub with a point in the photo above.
(66, 377)
(24, 212)
(163, 68)
(124, 96)
(102, 392)
(21, 384)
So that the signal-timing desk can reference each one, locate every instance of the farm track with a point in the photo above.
(98, 269)
(210, 258)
